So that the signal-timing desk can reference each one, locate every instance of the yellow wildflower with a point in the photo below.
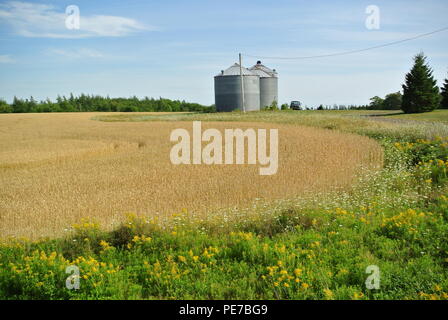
(328, 293)
(298, 271)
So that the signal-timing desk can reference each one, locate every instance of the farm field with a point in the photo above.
(319, 223)
(57, 169)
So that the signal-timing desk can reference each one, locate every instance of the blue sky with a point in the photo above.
(174, 48)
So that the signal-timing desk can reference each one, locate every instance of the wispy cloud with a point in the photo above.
(6, 58)
(77, 53)
(45, 21)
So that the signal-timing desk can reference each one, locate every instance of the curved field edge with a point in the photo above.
(103, 170)
(361, 122)
(315, 248)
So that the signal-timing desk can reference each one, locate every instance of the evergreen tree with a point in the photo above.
(444, 101)
(420, 91)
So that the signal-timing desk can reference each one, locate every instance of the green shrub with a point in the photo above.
(5, 107)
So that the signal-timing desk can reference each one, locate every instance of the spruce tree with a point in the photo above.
(444, 102)
(420, 91)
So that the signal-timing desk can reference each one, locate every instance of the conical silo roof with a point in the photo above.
(234, 70)
(261, 67)
(261, 73)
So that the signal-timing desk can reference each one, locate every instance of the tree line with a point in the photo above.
(90, 103)
(420, 93)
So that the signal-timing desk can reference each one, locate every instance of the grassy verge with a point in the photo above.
(319, 248)
(434, 116)
(347, 121)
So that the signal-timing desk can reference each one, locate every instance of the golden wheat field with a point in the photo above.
(58, 168)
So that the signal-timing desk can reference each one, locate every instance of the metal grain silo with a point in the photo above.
(228, 90)
(268, 84)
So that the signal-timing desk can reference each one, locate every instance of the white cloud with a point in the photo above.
(6, 58)
(45, 21)
(77, 53)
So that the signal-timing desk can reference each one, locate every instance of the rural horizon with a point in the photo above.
(224, 159)
(179, 47)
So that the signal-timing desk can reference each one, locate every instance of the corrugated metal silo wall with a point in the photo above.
(228, 93)
(268, 91)
(252, 93)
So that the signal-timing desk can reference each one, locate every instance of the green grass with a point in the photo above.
(434, 116)
(322, 255)
(317, 248)
(286, 115)
(352, 121)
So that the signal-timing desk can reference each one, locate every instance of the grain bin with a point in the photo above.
(228, 90)
(268, 84)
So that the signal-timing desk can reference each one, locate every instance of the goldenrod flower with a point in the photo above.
(298, 271)
(328, 293)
